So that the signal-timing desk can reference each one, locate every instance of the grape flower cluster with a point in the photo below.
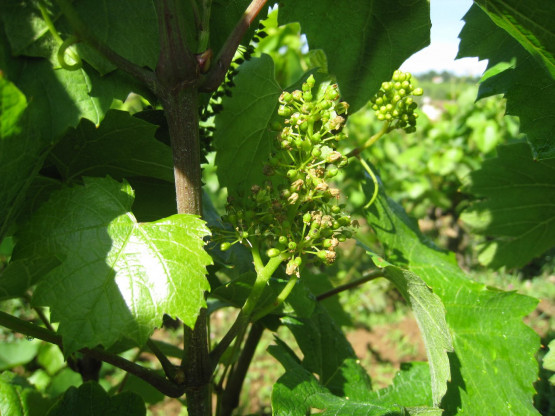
(393, 102)
(296, 211)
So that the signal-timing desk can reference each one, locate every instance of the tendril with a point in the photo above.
(64, 45)
(62, 55)
(374, 179)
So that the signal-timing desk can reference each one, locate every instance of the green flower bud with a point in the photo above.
(282, 239)
(225, 246)
(273, 252)
(292, 245)
(284, 110)
(331, 93)
(316, 152)
(316, 138)
(285, 97)
(307, 218)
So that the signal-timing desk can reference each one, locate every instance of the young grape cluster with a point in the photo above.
(297, 211)
(393, 102)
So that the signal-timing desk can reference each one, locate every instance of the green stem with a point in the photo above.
(370, 141)
(279, 299)
(255, 250)
(262, 279)
(374, 274)
(239, 327)
(204, 35)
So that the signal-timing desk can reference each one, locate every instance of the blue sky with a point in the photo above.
(446, 16)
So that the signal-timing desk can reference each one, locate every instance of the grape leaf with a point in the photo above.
(91, 400)
(243, 137)
(117, 277)
(20, 152)
(122, 146)
(530, 23)
(517, 211)
(525, 83)
(19, 398)
(490, 340)
(430, 315)
(328, 354)
(365, 41)
(298, 391)
(113, 23)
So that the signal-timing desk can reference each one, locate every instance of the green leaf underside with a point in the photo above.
(298, 391)
(490, 340)
(19, 398)
(364, 41)
(529, 23)
(243, 137)
(117, 277)
(134, 37)
(122, 146)
(91, 400)
(430, 315)
(517, 211)
(526, 84)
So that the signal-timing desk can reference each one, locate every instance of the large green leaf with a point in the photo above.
(117, 277)
(525, 83)
(19, 398)
(517, 212)
(365, 41)
(243, 137)
(493, 367)
(91, 400)
(298, 391)
(530, 23)
(114, 23)
(20, 150)
(122, 146)
(430, 315)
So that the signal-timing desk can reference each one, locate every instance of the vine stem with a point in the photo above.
(29, 329)
(216, 75)
(374, 274)
(356, 152)
(260, 283)
(239, 327)
(279, 299)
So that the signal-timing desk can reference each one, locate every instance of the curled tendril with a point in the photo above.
(374, 179)
(62, 55)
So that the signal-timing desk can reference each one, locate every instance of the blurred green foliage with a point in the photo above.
(423, 170)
